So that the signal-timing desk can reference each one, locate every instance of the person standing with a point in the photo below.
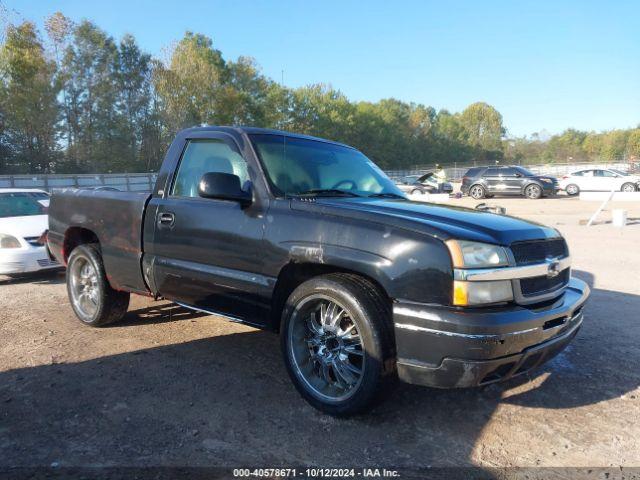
(441, 178)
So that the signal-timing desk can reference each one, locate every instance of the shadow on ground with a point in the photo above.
(48, 277)
(227, 401)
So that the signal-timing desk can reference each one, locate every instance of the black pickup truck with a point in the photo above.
(309, 238)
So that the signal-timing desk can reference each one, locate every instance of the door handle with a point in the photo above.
(166, 218)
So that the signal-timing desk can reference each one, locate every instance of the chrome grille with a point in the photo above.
(538, 251)
(541, 285)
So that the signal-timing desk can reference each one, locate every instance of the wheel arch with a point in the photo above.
(293, 274)
(75, 236)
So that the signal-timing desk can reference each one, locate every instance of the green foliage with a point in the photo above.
(85, 102)
(28, 105)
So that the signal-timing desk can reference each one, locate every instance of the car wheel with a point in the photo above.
(533, 191)
(477, 192)
(417, 192)
(93, 300)
(572, 189)
(336, 336)
(628, 187)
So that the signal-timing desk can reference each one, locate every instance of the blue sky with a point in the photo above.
(545, 65)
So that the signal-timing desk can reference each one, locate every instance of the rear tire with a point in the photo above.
(628, 187)
(417, 192)
(572, 190)
(533, 191)
(477, 192)
(93, 300)
(336, 338)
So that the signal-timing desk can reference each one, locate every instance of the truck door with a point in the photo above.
(207, 251)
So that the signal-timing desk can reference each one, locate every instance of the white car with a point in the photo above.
(599, 180)
(23, 222)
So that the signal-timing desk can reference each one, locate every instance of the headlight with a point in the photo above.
(476, 255)
(467, 294)
(546, 180)
(8, 241)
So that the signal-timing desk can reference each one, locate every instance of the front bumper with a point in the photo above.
(25, 260)
(451, 348)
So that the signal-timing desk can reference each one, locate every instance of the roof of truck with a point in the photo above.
(256, 130)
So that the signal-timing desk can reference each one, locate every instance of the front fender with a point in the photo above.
(407, 266)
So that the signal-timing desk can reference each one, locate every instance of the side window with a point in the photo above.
(577, 174)
(204, 156)
(606, 173)
(491, 172)
(508, 172)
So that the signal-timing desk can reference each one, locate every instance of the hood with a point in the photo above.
(27, 226)
(442, 221)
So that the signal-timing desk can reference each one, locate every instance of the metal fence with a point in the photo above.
(144, 182)
(128, 182)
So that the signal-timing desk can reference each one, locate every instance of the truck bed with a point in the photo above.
(116, 219)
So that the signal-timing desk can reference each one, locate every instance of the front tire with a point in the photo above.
(417, 192)
(93, 300)
(628, 187)
(336, 338)
(533, 191)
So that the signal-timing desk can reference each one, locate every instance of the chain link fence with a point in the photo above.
(144, 182)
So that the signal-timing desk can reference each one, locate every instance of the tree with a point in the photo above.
(135, 118)
(633, 144)
(89, 69)
(190, 87)
(29, 120)
(59, 30)
(483, 130)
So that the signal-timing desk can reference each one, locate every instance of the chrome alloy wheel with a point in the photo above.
(84, 286)
(476, 192)
(533, 191)
(325, 348)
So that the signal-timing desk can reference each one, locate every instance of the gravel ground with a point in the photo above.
(171, 387)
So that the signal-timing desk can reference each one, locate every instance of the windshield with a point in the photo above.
(524, 172)
(19, 204)
(297, 166)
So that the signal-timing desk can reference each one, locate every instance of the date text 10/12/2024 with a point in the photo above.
(315, 473)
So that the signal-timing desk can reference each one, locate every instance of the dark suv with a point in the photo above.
(481, 182)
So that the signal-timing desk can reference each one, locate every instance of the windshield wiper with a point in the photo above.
(387, 195)
(327, 192)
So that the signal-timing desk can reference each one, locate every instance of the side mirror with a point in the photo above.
(518, 175)
(223, 186)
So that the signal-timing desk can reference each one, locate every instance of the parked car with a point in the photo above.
(23, 222)
(599, 180)
(421, 184)
(485, 182)
(102, 187)
(315, 242)
(41, 196)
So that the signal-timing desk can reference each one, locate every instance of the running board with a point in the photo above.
(219, 314)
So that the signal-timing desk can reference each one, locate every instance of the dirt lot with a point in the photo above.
(170, 387)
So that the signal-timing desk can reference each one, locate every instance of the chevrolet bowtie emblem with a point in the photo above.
(553, 269)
